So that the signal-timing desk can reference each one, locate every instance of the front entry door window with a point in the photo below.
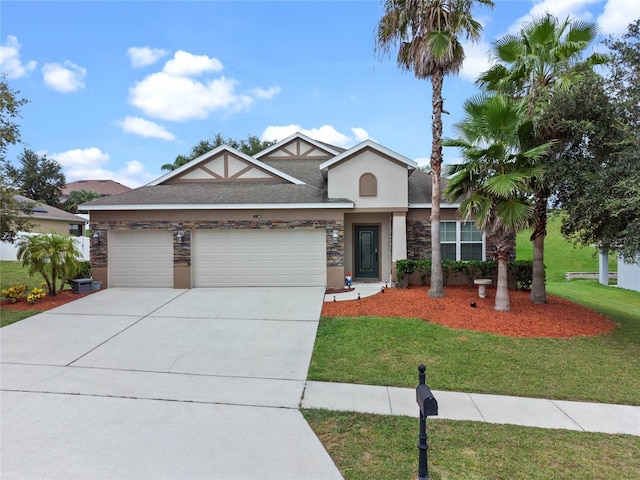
(366, 252)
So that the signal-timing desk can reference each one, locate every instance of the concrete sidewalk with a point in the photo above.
(529, 412)
(359, 290)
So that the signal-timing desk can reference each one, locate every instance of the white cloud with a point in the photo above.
(145, 128)
(360, 134)
(143, 56)
(91, 164)
(185, 64)
(65, 78)
(476, 60)
(10, 63)
(575, 9)
(177, 98)
(326, 133)
(617, 15)
(265, 93)
(172, 95)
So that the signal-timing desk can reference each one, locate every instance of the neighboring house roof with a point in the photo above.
(103, 187)
(42, 211)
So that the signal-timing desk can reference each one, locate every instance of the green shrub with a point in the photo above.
(522, 271)
(404, 268)
(423, 267)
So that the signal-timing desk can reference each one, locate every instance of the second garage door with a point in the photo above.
(259, 258)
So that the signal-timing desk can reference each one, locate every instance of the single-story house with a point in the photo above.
(300, 212)
(47, 219)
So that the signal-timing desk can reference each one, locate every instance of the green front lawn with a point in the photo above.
(377, 446)
(386, 351)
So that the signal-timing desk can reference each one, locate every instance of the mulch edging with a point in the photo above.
(559, 318)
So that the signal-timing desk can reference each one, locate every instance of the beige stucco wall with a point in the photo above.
(53, 226)
(392, 176)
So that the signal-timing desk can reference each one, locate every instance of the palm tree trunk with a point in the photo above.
(538, 288)
(502, 287)
(437, 280)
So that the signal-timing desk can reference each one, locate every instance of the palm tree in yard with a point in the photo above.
(426, 35)
(545, 55)
(79, 197)
(494, 184)
(52, 256)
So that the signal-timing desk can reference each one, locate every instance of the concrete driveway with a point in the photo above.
(162, 383)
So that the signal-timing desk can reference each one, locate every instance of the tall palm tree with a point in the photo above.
(545, 55)
(52, 256)
(494, 185)
(426, 34)
(78, 197)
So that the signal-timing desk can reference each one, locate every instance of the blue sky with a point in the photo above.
(118, 88)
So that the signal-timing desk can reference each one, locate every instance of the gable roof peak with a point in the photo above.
(332, 149)
(212, 153)
(368, 143)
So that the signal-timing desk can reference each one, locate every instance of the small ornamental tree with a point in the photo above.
(52, 256)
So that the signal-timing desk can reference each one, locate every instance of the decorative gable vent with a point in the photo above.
(225, 168)
(368, 185)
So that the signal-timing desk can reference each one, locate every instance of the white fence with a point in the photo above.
(8, 250)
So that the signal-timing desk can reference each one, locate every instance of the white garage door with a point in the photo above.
(140, 258)
(259, 258)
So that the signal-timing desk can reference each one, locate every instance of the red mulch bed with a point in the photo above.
(46, 303)
(559, 318)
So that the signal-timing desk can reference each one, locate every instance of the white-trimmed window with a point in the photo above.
(461, 241)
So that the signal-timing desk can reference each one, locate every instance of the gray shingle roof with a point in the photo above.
(218, 194)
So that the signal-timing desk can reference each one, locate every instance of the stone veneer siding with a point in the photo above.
(182, 250)
(419, 242)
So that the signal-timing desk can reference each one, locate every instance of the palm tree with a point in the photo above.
(79, 197)
(494, 183)
(52, 256)
(177, 163)
(544, 56)
(426, 34)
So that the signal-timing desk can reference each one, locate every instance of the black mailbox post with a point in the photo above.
(428, 407)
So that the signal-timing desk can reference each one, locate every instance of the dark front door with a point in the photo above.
(366, 252)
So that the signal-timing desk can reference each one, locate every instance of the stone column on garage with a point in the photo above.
(398, 241)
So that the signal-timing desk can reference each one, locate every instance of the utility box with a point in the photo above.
(82, 285)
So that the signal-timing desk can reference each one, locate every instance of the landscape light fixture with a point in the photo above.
(96, 234)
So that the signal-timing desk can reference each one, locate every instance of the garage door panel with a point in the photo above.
(259, 257)
(141, 258)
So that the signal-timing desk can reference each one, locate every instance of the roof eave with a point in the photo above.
(230, 206)
(411, 165)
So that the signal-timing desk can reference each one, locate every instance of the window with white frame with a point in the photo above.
(461, 241)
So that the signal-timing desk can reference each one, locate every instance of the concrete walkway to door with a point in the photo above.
(161, 383)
